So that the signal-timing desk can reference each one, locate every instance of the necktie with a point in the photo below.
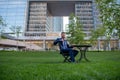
(64, 44)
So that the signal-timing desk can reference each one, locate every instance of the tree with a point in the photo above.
(2, 26)
(110, 16)
(97, 34)
(16, 30)
(75, 33)
(1, 20)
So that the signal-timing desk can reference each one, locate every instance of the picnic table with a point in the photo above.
(83, 49)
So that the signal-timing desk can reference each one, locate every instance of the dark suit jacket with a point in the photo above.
(60, 42)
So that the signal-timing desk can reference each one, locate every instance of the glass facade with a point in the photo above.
(35, 17)
(96, 14)
(13, 12)
(58, 24)
(84, 11)
(118, 1)
(39, 20)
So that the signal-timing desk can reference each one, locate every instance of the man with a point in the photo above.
(65, 48)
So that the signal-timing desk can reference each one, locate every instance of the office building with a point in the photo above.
(38, 17)
(13, 13)
(84, 11)
(58, 24)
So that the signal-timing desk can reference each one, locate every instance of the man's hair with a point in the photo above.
(62, 32)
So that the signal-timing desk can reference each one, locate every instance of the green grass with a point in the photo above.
(50, 66)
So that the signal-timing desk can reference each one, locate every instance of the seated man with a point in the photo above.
(65, 48)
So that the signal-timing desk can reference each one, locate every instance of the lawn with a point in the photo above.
(49, 65)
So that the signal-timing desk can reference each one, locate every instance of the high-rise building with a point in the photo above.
(13, 13)
(42, 19)
(58, 24)
(39, 19)
(40, 15)
(84, 11)
(37, 16)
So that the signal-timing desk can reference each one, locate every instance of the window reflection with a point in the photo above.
(13, 12)
(3, 6)
(3, 11)
(16, 2)
(3, 2)
(12, 6)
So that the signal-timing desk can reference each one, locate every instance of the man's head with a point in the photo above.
(63, 34)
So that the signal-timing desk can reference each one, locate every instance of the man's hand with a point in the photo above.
(59, 40)
(62, 39)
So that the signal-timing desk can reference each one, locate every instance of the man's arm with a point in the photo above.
(56, 41)
(69, 45)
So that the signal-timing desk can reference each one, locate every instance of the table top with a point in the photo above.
(81, 45)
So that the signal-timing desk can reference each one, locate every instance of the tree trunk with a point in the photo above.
(98, 45)
(109, 46)
(0, 32)
(0, 36)
(119, 44)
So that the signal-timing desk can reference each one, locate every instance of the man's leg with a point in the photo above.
(71, 54)
(75, 52)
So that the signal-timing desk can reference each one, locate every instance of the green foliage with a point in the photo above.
(49, 66)
(2, 26)
(3, 37)
(16, 30)
(110, 15)
(98, 33)
(1, 20)
(75, 33)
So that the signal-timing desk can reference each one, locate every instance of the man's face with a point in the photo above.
(63, 35)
